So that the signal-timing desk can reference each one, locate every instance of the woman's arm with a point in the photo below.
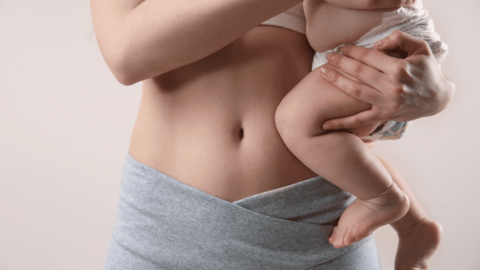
(398, 89)
(143, 39)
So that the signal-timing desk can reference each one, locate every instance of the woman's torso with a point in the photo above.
(211, 125)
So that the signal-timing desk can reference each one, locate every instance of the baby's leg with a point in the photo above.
(419, 235)
(340, 157)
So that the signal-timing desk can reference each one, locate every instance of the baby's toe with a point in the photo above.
(337, 238)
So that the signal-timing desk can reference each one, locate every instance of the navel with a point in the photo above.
(240, 133)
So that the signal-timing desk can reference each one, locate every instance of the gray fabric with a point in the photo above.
(163, 223)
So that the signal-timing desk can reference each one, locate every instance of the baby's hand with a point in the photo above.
(417, 244)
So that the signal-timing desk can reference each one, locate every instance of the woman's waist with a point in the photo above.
(228, 158)
(214, 128)
(278, 229)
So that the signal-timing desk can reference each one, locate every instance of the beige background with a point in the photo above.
(65, 125)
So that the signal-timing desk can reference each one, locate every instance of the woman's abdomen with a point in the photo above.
(211, 124)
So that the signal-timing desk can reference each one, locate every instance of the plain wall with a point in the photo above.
(65, 126)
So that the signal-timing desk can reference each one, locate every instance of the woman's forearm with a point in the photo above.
(143, 39)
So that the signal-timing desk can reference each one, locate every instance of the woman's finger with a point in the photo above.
(357, 120)
(354, 89)
(360, 71)
(376, 59)
(398, 40)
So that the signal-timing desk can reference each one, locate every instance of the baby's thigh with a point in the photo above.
(314, 100)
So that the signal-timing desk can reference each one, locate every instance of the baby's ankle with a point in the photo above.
(393, 195)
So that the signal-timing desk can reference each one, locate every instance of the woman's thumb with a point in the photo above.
(398, 40)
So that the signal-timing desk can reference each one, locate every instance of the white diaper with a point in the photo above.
(411, 20)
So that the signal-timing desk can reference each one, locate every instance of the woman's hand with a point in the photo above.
(398, 89)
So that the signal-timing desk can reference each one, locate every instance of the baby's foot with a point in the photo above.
(363, 217)
(417, 245)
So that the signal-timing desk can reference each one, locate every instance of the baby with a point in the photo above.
(344, 158)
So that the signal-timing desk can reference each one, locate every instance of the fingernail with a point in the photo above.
(330, 57)
(379, 43)
(325, 70)
(327, 126)
(343, 49)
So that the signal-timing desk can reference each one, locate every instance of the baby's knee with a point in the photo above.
(296, 131)
(287, 123)
(306, 106)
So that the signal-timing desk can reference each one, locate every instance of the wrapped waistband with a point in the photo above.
(167, 224)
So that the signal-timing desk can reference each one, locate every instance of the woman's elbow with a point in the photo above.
(125, 79)
(122, 69)
(129, 69)
(124, 62)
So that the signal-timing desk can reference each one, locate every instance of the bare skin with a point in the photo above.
(212, 81)
(315, 100)
(211, 124)
(418, 244)
(393, 86)
(368, 215)
(419, 235)
(299, 119)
